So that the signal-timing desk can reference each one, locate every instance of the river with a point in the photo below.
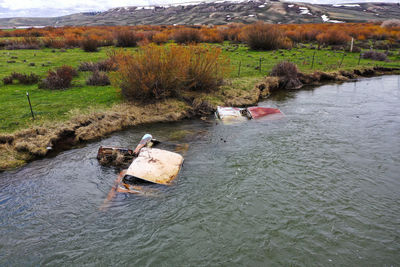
(320, 187)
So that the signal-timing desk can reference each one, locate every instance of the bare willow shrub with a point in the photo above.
(187, 35)
(60, 78)
(126, 39)
(333, 37)
(287, 71)
(156, 72)
(206, 68)
(374, 55)
(98, 78)
(90, 45)
(263, 36)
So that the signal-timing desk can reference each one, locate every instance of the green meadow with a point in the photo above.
(59, 105)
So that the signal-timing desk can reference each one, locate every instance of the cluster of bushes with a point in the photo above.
(258, 35)
(98, 69)
(21, 78)
(156, 72)
(60, 78)
(374, 55)
(103, 65)
(24, 43)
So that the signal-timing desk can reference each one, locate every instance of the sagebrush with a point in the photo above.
(98, 78)
(22, 78)
(59, 78)
(374, 55)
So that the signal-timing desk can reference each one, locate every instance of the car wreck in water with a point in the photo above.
(233, 114)
(148, 165)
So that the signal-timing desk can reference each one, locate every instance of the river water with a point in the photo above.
(319, 187)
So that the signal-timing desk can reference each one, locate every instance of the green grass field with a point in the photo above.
(49, 105)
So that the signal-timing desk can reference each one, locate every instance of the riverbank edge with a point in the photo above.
(21, 147)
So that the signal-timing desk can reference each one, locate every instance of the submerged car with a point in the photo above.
(154, 166)
(148, 166)
(227, 114)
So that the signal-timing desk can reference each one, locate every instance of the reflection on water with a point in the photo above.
(319, 187)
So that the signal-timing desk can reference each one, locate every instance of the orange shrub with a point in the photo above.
(54, 43)
(156, 72)
(187, 35)
(160, 38)
(231, 32)
(263, 36)
(295, 36)
(206, 68)
(211, 36)
(126, 39)
(90, 45)
(234, 32)
(72, 40)
(333, 37)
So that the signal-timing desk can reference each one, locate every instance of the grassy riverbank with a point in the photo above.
(85, 112)
(53, 105)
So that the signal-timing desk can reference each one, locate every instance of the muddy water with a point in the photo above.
(321, 187)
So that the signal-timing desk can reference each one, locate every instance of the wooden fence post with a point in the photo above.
(352, 43)
(313, 57)
(341, 61)
(29, 100)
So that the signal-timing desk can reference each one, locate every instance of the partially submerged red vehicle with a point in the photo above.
(227, 114)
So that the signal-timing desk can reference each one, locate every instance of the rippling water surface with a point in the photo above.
(320, 187)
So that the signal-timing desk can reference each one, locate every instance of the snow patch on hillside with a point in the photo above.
(347, 5)
(304, 11)
(325, 18)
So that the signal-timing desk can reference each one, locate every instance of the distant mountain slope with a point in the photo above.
(220, 13)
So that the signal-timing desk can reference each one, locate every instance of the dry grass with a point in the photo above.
(10, 158)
